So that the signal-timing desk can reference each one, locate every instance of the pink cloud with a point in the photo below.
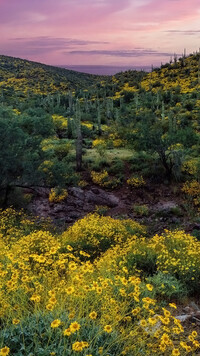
(101, 26)
(168, 10)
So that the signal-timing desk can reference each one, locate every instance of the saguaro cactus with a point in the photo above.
(79, 138)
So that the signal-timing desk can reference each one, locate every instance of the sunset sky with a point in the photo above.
(100, 32)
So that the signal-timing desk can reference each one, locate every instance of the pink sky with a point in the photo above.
(107, 32)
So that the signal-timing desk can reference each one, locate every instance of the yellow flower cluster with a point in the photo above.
(27, 82)
(87, 124)
(190, 167)
(129, 89)
(100, 178)
(99, 142)
(60, 122)
(192, 189)
(100, 232)
(56, 196)
(98, 300)
(178, 253)
(118, 143)
(136, 182)
(82, 183)
(78, 346)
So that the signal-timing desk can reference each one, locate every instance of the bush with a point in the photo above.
(167, 286)
(141, 210)
(117, 167)
(95, 234)
(178, 254)
(136, 181)
(54, 301)
(147, 165)
(142, 257)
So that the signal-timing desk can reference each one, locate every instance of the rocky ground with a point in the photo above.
(164, 206)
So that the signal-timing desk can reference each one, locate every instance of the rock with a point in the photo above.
(174, 220)
(166, 209)
(188, 310)
(95, 190)
(194, 306)
(100, 197)
(42, 192)
(184, 317)
(166, 206)
(58, 208)
(153, 328)
(74, 214)
(78, 203)
(77, 193)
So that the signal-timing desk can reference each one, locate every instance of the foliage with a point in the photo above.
(141, 210)
(102, 283)
(21, 155)
(56, 195)
(167, 286)
(192, 190)
(136, 182)
(96, 233)
(21, 76)
(54, 300)
(153, 114)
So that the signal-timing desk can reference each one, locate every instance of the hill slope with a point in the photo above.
(23, 76)
(182, 75)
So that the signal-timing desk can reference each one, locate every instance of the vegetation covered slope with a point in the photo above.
(152, 117)
(103, 286)
(182, 75)
(24, 77)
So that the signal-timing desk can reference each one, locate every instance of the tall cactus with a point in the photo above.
(70, 102)
(58, 99)
(163, 111)
(158, 100)
(136, 101)
(99, 118)
(79, 137)
(199, 71)
(109, 109)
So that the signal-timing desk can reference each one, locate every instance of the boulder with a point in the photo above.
(100, 197)
(78, 203)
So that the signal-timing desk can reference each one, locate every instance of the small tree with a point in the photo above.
(155, 136)
(20, 157)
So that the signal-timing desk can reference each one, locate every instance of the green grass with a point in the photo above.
(121, 153)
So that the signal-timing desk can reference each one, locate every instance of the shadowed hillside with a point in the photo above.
(25, 77)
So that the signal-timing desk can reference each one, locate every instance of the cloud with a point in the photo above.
(64, 30)
(122, 53)
(184, 32)
(66, 11)
(168, 10)
(43, 44)
(54, 42)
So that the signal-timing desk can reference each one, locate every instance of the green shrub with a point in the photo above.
(167, 286)
(143, 258)
(117, 167)
(141, 210)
